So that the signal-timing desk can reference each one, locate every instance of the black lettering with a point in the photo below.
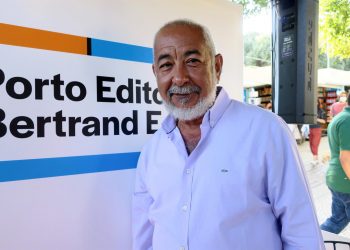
(10, 88)
(59, 119)
(129, 90)
(3, 128)
(41, 125)
(146, 88)
(2, 77)
(57, 83)
(72, 121)
(15, 126)
(39, 84)
(155, 96)
(101, 89)
(151, 122)
(95, 126)
(107, 121)
(69, 91)
(134, 124)
(138, 92)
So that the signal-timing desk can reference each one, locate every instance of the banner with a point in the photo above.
(78, 100)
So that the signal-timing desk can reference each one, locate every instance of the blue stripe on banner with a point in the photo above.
(50, 167)
(103, 48)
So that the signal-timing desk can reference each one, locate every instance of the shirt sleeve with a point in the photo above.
(289, 193)
(142, 229)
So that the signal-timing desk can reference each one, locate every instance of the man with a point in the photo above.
(338, 107)
(338, 173)
(218, 174)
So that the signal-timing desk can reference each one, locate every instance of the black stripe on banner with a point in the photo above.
(88, 46)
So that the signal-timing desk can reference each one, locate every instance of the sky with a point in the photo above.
(260, 23)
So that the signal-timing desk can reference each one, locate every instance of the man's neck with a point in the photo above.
(191, 132)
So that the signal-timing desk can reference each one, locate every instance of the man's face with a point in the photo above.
(182, 59)
(342, 97)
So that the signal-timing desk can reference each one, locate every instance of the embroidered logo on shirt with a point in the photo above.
(224, 170)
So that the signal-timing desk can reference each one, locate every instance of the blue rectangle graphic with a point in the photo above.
(50, 167)
(128, 52)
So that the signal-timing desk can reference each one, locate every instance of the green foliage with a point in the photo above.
(334, 27)
(252, 7)
(334, 34)
(333, 62)
(257, 49)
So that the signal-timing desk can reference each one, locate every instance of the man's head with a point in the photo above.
(186, 68)
(342, 96)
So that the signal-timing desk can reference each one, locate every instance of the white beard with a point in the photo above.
(198, 110)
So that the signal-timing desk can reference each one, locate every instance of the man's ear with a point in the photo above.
(218, 65)
(154, 73)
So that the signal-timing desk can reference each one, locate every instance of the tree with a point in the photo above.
(257, 49)
(252, 7)
(333, 62)
(334, 27)
(334, 30)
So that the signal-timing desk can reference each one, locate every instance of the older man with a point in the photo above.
(218, 174)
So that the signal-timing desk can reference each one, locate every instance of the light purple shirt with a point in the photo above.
(243, 186)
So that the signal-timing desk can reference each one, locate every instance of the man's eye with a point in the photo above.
(193, 61)
(165, 65)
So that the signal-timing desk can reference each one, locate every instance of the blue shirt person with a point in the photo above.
(218, 174)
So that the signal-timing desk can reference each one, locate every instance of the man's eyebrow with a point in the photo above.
(163, 56)
(191, 52)
(187, 53)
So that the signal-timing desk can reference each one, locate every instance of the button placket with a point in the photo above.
(186, 201)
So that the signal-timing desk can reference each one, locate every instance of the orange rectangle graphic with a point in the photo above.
(42, 39)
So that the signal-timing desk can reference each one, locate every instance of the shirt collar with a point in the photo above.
(212, 116)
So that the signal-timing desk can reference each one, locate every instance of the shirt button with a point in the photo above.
(188, 171)
(184, 208)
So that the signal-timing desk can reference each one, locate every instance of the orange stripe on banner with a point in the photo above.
(41, 39)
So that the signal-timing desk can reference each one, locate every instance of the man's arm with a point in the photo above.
(142, 229)
(344, 158)
(289, 194)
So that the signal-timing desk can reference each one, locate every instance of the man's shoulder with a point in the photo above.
(250, 111)
(341, 120)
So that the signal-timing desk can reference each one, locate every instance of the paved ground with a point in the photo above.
(316, 177)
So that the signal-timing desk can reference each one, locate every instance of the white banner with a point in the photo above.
(78, 100)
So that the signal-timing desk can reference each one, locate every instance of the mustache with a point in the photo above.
(183, 90)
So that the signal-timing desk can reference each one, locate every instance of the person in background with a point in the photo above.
(338, 173)
(269, 106)
(218, 174)
(338, 106)
(316, 132)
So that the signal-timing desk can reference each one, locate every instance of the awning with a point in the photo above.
(328, 77)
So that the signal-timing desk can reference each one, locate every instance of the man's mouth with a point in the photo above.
(186, 90)
(179, 94)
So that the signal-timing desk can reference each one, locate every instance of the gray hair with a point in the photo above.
(191, 24)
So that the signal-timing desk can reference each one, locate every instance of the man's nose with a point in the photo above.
(180, 76)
